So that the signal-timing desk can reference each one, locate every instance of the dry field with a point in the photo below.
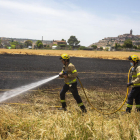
(74, 53)
(38, 119)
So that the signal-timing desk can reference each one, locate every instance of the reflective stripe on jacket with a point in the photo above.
(72, 73)
(136, 76)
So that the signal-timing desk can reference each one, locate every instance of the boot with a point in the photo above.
(83, 109)
(63, 107)
(138, 109)
(128, 110)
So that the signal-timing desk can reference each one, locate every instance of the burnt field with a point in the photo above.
(102, 74)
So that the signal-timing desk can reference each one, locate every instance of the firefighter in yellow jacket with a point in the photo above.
(69, 73)
(135, 82)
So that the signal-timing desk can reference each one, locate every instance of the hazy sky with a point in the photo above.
(88, 20)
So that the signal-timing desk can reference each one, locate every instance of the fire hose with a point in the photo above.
(99, 110)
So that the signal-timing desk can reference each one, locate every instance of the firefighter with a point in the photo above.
(135, 82)
(69, 73)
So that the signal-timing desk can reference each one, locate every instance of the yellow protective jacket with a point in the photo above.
(72, 73)
(136, 76)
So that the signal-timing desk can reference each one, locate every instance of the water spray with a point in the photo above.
(14, 92)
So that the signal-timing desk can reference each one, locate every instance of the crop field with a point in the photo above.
(34, 115)
(37, 118)
(74, 53)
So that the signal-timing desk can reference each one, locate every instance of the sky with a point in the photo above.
(88, 20)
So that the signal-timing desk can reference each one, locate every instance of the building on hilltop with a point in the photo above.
(131, 32)
(110, 41)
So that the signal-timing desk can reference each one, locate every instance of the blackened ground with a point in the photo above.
(18, 70)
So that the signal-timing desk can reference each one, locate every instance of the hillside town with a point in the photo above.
(111, 41)
(108, 43)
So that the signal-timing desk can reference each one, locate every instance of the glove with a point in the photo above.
(129, 84)
(60, 74)
(65, 73)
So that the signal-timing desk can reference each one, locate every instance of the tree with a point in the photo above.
(54, 44)
(14, 44)
(62, 40)
(73, 41)
(69, 47)
(135, 47)
(39, 44)
(81, 47)
(94, 46)
(138, 47)
(101, 48)
(62, 45)
(118, 46)
(28, 43)
(107, 49)
(128, 43)
(21, 45)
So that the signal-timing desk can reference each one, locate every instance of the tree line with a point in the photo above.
(73, 43)
(15, 44)
(127, 44)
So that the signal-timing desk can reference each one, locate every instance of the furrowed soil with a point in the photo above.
(18, 70)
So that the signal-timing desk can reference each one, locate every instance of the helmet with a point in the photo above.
(64, 56)
(133, 58)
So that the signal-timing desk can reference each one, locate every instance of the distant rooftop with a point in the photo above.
(22, 39)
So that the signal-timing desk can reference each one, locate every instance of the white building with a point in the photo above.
(54, 47)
